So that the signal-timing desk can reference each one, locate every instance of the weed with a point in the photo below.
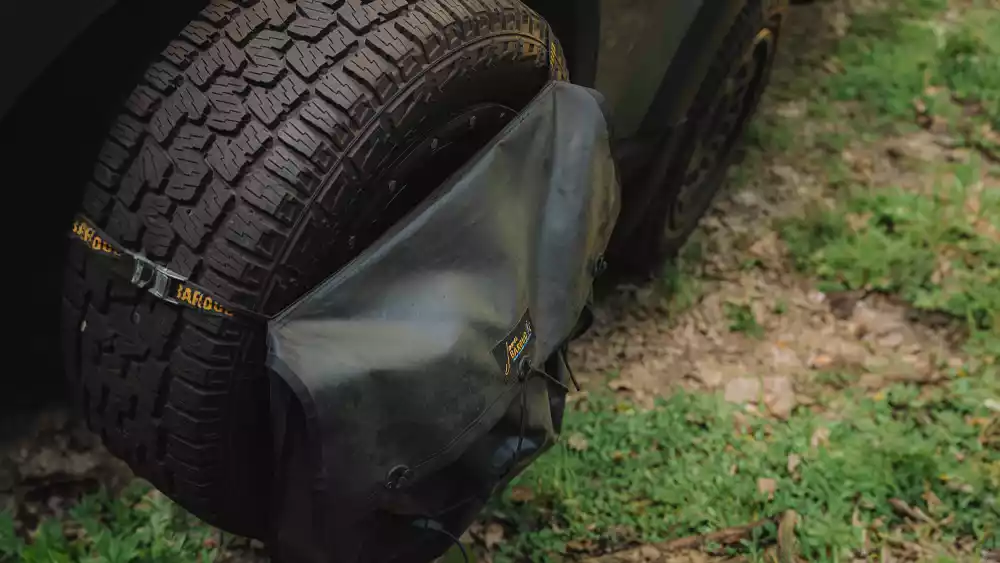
(780, 307)
(836, 379)
(139, 525)
(678, 280)
(970, 62)
(742, 319)
(886, 59)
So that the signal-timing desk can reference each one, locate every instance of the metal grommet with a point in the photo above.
(397, 477)
(600, 264)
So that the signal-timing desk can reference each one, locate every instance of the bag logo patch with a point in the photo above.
(515, 346)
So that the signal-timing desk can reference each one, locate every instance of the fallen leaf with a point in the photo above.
(903, 509)
(843, 303)
(493, 535)
(649, 553)
(856, 519)
(521, 494)
(793, 462)
(577, 442)
(768, 486)
(977, 421)
(820, 361)
(820, 437)
(742, 390)
(933, 502)
(792, 110)
(733, 469)
(891, 340)
(786, 537)
(621, 385)
(779, 395)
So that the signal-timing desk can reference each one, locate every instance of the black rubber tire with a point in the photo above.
(245, 159)
(649, 244)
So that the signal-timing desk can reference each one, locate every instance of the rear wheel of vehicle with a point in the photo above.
(726, 100)
(266, 146)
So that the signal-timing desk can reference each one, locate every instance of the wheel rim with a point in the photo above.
(718, 129)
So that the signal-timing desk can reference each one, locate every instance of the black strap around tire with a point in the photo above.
(161, 282)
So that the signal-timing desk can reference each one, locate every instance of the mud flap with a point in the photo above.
(420, 379)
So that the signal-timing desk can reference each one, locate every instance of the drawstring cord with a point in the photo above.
(435, 526)
(525, 371)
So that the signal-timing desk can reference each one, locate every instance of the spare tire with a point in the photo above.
(265, 147)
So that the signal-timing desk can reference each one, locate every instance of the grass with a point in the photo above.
(678, 282)
(693, 465)
(936, 250)
(742, 319)
(139, 524)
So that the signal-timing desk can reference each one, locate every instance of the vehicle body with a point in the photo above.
(655, 62)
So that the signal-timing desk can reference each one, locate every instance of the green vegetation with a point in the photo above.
(938, 250)
(678, 282)
(139, 524)
(742, 319)
(682, 469)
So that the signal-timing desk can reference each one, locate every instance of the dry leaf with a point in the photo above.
(820, 437)
(733, 469)
(903, 509)
(779, 395)
(856, 519)
(786, 537)
(743, 390)
(521, 494)
(649, 553)
(577, 442)
(793, 462)
(932, 500)
(493, 535)
(820, 361)
(621, 385)
(768, 486)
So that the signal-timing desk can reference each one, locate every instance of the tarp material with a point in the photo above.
(422, 377)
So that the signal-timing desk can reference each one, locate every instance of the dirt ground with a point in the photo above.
(745, 264)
